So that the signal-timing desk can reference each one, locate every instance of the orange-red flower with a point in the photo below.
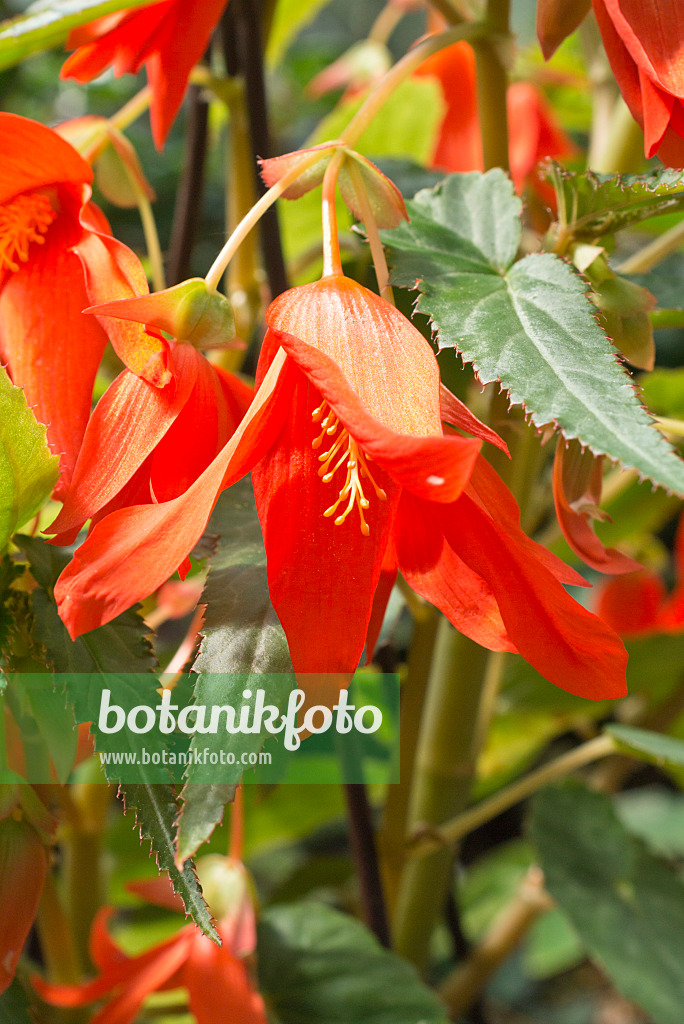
(23, 865)
(352, 470)
(534, 132)
(46, 224)
(639, 605)
(644, 43)
(168, 38)
(145, 443)
(217, 979)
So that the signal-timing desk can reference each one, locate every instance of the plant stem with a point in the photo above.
(213, 278)
(451, 832)
(132, 110)
(332, 263)
(376, 246)
(624, 148)
(56, 939)
(647, 258)
(492, 85)
(362, 840)
(392, 837)
(445, 762)
(188, 205)
(151, 237)
(461, 988)
(83, 840)
(379, 95)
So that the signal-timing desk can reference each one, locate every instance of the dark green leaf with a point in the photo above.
(627, 906)
(242, 635)
(14, 1006)
(28, 471)
(318, 966)
(155, 815)
(49, 22)
(527, 324)
(591, 205)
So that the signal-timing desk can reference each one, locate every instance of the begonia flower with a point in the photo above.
(23, 866)
(352, 469)
(47, 228)
(217, 980)
(168, 38)
(645, 47)
(148, 443)
(534, 132)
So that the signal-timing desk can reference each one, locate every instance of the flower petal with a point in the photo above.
(34, 156)
(436, 572)
(52, 349)
(631, 605)
(129, 421)
(565, 643)
(23, 864)
(454, 412)
(133, 551)
(322, 577)
(219, 986)
(652, 33)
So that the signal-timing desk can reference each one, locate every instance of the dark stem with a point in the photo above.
(362, 840)
(247, 22)
(187, 210)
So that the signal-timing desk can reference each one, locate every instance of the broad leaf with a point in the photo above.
(289, 19)
(591, 205)
(627, 906)
(528, 325)
(318, 966)
(242, 635)
(155, 815)
(28, 471)
(49, 23)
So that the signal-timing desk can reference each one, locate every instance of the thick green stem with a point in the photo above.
(56, 939)
(445, 763)
(492, 84)
(624, 148)
(392, 837)
(83, 841)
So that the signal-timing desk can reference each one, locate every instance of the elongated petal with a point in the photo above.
(133, 551)
(120, 40)
(23, 864)
(631, 605)
(433, 467)
(491, 493)
(129, 421)
(322, 576)
(654, 36)
(388, 575)
(556, 20)
(459, 146)
(622, 63)
(33, 156)
(565, 643)
(453, 411)
(52, 348)
(577, 478)
(436, 572)
(113, 271)
(219, 986)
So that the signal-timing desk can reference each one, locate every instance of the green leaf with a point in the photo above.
(656, 815)
(242, 635)
(591, 205)
(155, 815)
(647, 745)
(28, 471)
(528, 325)
(627, 906)
(318, 966)
(49, 23)
(289, 19)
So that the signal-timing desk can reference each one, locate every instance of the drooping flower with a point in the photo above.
(352, 471)
(645, 47)
(217, 980)
(47, 229)
(168, 38)
(147, 444)
(534, 132)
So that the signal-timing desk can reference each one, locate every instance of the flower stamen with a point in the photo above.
(22, 221)
(352, 489)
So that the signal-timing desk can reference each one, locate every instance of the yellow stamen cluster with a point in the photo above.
(22, 221)
(343, 449)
